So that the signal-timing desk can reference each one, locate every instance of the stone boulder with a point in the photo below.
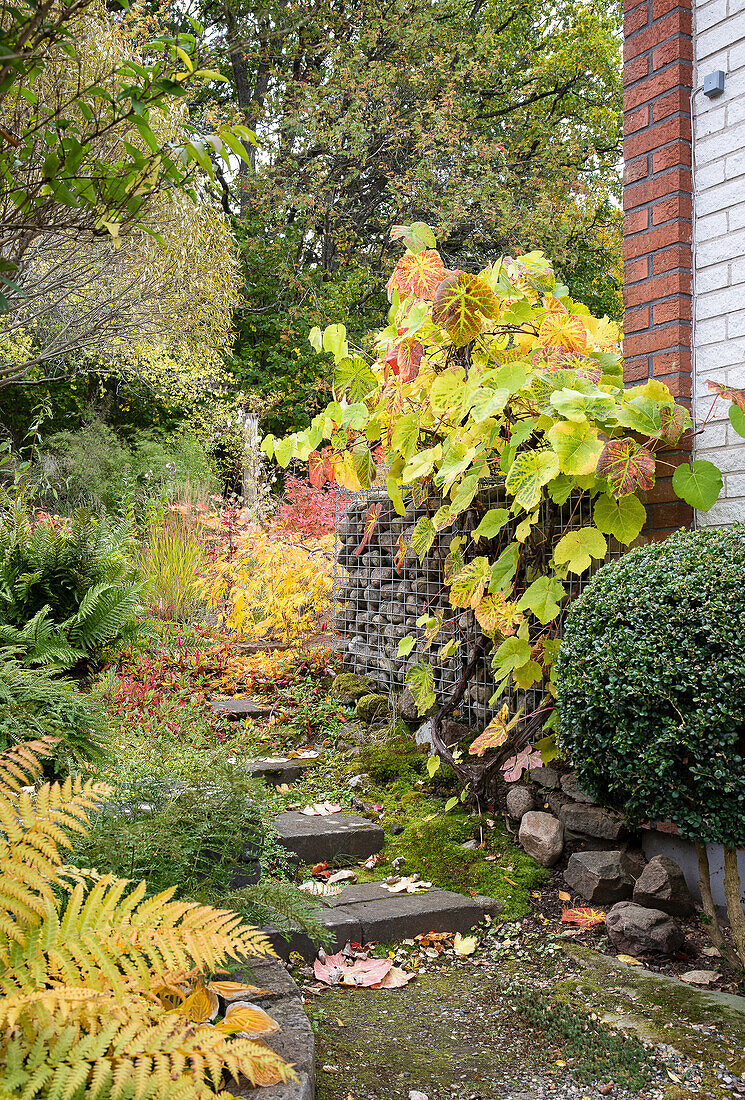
(634, 930)
(542, 837)
(662, 885)
(372, 708)
(599, 877)
(520, 801)
(546, 777)
(571, 787)
(593, 821)
(407, 708)
(348, 688)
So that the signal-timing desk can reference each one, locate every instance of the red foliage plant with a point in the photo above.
(306, 511)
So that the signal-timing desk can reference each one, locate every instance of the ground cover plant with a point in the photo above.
(496, 374)
(651, 695)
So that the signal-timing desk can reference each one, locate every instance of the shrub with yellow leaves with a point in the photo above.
(102, 990)
(272, 585)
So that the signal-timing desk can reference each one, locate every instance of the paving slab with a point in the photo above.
(238, 709)
(343, 926)
(338, 836)
(295, 1042)
(277, 769)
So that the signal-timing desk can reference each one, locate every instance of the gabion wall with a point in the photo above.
(375, 606)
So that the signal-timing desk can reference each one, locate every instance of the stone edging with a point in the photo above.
(295, 1042)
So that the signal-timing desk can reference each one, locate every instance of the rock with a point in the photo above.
(348, 688)
(542, 837)
(662, 885)
(519, 801)
(634, 930)
(423, 736)
(592, 821)
(489, 906)
(699, 977)
(599, 877)
(358, 780)
(407, 708)
(371, 707)
(570, 786)
(470, 845)
(237, 709)
(545, 777)
(453, 731)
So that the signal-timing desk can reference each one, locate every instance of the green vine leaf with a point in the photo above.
(578, 447)
(622, 518)
(470, 583)
(504, 568)
(420, 680)
(422, 537)
(527, 475)
(576, 549)
(406, 645)
(541, 598)
(737, 419)
(698, 484)
(627, 465)
(491, 524)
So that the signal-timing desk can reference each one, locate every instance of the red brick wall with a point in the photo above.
(657, 82)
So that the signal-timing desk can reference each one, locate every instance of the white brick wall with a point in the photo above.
(719, 242)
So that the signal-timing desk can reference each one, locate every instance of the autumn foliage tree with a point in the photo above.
(499, 374)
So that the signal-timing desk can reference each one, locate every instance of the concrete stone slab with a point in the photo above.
(337, 836)
(343, 926)
(295, 1042)
(237, 709)
(277, 769)
(401, 916)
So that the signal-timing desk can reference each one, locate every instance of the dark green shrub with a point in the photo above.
(651, 684)
(67, 590)
(34, 705)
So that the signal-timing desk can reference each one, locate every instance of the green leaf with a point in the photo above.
(451, 802)
(433, 766)
(576, 549)
(422, 537)
(547, 747)
(406, 645)
(527, 475)
(577, 446)
(504, 568)
(698, 484)
(578, 406)
(405, 434)
(394, 492)
(511, 377)
(420, 681)
(335, 342)
(283, 449)
(486, 403)
(446, 392)
(513, 653)
(541, 598)
(492, 523)
(354, 376)
(622, 518)
(641, 414)
(737, 419)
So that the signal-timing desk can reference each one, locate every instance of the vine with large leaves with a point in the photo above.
(497, 374)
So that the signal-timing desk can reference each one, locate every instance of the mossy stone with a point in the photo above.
(348, 688)
(371, 707)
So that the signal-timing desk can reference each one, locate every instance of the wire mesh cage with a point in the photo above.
(378, 601)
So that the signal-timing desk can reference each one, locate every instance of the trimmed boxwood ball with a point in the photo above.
(651, 684)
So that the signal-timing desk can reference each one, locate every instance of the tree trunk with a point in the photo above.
(712, 924)
(732, 895)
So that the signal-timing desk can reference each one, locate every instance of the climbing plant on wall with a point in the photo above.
(497, 374)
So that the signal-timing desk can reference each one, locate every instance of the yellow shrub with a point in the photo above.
(101, 987)
(273, 586)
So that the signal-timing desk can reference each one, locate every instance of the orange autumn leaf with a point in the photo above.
(247, 1019)
(585, 918)
(200, 1007)
(417, 273)
(564, 329)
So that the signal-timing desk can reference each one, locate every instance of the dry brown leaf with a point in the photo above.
(564, 896)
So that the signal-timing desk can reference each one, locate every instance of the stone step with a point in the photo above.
(278, 769)
(338, 836)
(369, 913)
(238, 709)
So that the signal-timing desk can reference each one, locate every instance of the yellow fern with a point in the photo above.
(90, 969)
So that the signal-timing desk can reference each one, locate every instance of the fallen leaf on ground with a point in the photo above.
(372, 861)
(319, 868)
(585, 918)
(230, 991)
(629, 960)
(464, 945)
(396, 978)
(338, 970)
(510, 880)
(321, 809)
(320, 889)
(245, 1018)
(535, 893)
(711, 952)
(342, 876)
(564, 896)
(408, 885)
